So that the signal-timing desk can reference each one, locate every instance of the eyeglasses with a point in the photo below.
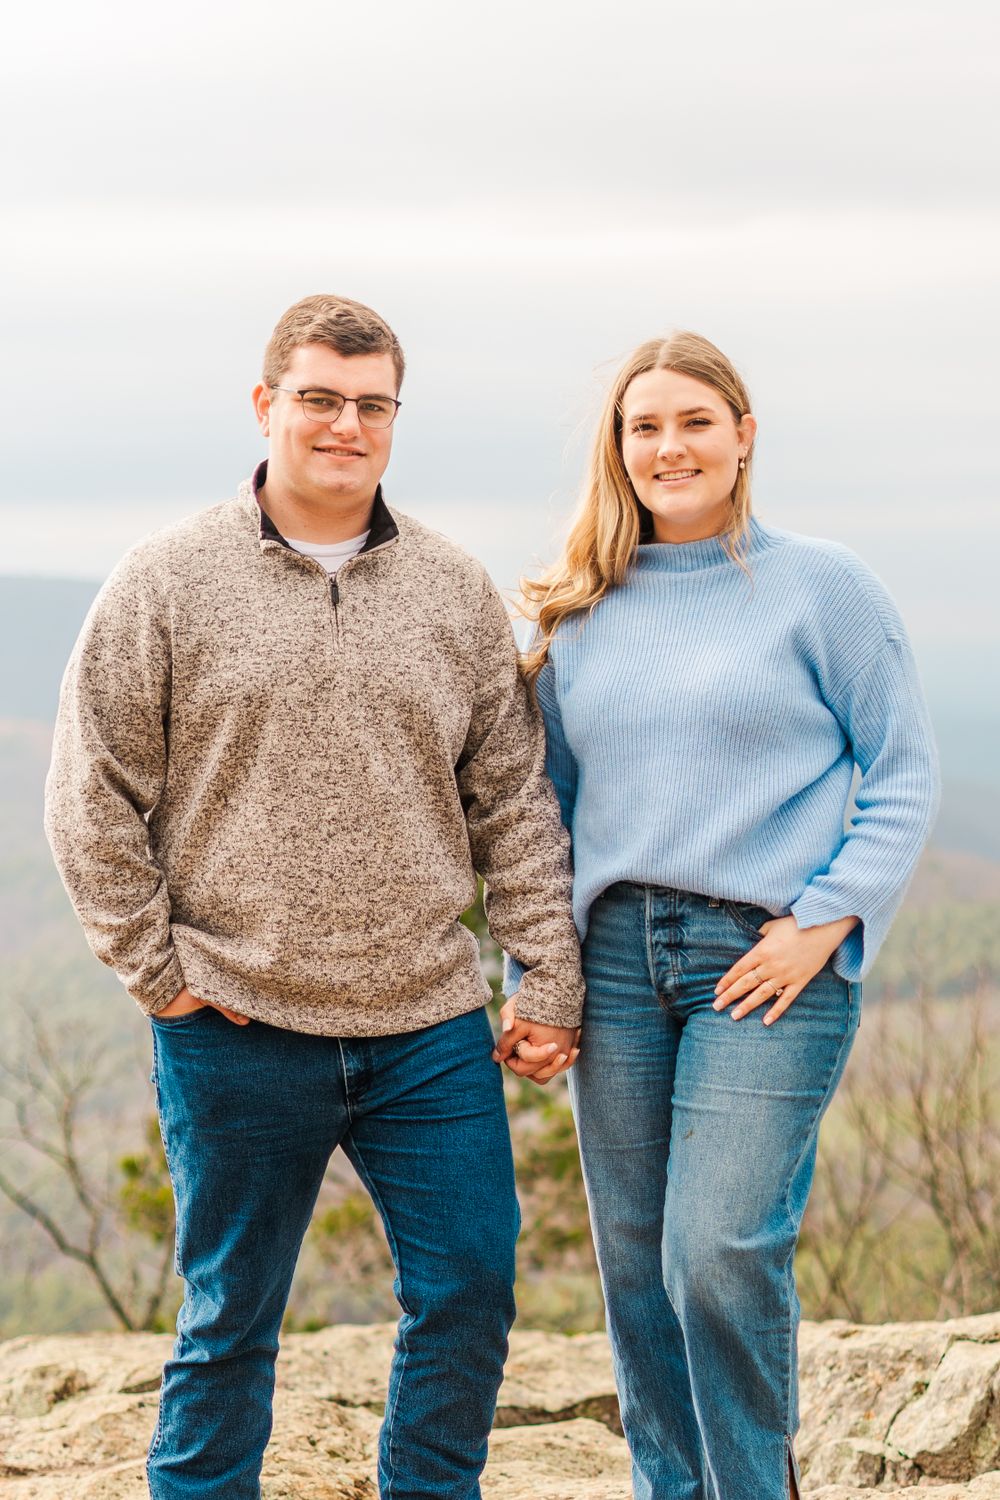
(326, 406)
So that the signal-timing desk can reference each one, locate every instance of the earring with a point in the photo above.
(743, 463)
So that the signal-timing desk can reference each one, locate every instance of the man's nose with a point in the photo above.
(346, 420)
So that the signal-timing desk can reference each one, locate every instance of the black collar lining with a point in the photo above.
(382, 528)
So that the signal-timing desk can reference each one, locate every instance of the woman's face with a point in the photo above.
(681, 447)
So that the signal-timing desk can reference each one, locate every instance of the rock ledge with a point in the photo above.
(884, 1409)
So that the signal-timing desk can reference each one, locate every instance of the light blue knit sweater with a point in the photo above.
(703, 729)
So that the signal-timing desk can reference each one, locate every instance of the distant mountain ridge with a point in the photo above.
(41, 617)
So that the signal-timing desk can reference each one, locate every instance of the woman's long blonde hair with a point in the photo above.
(611, 521)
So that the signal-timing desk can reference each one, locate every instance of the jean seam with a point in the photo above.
(347, 1088)
(790, 1260)
(742, 922)
(158, 1432)
(650, 961)
(366, 1177)
(178, 1263)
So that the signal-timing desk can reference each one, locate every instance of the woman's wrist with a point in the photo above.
(837, 929)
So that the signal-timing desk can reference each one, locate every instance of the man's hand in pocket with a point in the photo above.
(184, 1002)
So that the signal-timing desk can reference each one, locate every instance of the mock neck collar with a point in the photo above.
(693, 557)
(381, 527)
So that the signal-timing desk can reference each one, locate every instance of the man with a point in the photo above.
(291, 732)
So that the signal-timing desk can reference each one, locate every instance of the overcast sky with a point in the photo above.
(524, 194)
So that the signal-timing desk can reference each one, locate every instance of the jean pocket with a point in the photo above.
(173, 1022)
(748, 918)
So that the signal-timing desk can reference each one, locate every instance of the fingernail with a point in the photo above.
(551, 1047)
(718, 988)
(717, 1005)
(561, 1058)
(508, 1024)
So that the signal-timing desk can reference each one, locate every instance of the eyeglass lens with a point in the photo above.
(326, 406)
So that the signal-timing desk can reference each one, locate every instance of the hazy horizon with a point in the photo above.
(525, 195)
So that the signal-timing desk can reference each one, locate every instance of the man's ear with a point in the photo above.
(261, 398)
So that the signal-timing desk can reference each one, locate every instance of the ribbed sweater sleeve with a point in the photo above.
(108, 769)
(560, 768)
(559, 763)
(884, 718)
(518, 844)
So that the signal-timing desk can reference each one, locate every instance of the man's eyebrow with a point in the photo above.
(325, 390)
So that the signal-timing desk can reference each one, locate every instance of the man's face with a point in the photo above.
(334, 461)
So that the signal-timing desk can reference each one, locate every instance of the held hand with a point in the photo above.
(781, 965)
(184, 1002)
(532, 1050)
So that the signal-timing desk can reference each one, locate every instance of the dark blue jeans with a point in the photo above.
(250, 1116)
(698, 1140)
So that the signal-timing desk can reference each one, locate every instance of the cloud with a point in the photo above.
(525, 192)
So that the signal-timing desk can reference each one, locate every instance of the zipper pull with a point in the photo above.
(334, 592)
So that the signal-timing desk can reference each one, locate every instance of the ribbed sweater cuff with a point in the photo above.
(541, 997)
(169, 983)
(812, 909)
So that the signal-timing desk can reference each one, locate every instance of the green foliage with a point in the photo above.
(904, 1221)
(953, 946)
(145, 1195)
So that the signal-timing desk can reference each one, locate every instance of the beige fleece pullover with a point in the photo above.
(278, 791)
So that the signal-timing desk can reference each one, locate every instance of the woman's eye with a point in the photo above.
(699, 422)
(642, 427)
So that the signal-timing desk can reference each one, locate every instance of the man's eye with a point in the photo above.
(320, 403)
(375, 408)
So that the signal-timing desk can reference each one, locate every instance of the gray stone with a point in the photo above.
(76, 1414)
(845, 1461)
(952, 1431)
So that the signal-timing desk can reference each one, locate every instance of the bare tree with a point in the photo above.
(113, 1218)
(905, 1215)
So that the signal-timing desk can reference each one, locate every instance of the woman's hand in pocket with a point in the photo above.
(780, 966)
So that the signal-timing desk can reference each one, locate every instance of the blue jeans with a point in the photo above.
(698, 1140)
(250, 1116)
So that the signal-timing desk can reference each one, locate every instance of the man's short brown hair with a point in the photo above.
(346, 326)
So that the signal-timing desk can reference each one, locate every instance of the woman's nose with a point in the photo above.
(670, 446)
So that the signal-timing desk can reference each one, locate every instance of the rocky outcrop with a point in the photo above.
(884, 1409)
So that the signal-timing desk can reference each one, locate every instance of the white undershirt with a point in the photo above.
(331, 555)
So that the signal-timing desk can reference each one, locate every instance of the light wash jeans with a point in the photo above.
(250, 1116)
(698, 1140)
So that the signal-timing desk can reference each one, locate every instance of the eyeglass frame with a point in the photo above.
(322, 390)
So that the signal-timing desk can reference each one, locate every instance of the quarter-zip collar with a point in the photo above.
(382, 527)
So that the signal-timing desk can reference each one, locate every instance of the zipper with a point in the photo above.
(334, 586)
(335, 601)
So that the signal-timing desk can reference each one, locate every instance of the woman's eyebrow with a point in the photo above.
(648, 416)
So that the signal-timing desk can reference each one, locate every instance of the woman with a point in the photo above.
(709, 685)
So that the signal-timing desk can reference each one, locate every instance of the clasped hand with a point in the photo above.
(542, 1051)
(780, 965)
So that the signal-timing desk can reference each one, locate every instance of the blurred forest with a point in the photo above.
(904, 1220)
